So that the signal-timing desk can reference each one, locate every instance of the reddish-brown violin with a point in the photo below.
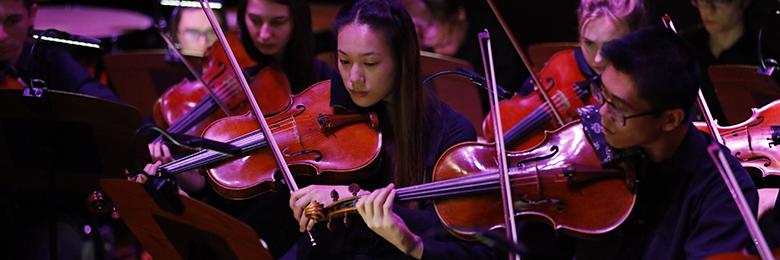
(560, 181)
(314, 139)
(564, 83)
(754, 141)
(188, 108)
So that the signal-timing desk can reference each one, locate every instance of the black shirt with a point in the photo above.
(683, 211)
(742, 52)
(357, 241)
(60, 72)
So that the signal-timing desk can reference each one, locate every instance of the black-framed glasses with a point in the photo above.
(601, 96)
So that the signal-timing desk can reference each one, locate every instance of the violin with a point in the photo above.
(754, 141)
(315, 140)
(566, 86)
(188, 107)
(560, 181)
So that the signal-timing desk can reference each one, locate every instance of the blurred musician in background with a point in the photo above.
(58, 69)
(192, 31)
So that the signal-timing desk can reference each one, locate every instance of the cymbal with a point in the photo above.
(98, 22)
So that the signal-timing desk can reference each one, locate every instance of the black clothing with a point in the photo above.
(683, 211)
(322, 71)
(742, 52)
(59, 70)
(357, 241)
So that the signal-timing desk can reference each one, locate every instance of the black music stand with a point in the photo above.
(56, 148)
(171, 226)
(74, 138)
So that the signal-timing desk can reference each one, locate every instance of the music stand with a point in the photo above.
(172, 226)
(74, 139)
(58, 146)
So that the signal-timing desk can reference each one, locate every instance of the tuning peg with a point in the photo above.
(334, 195)
(354, 188)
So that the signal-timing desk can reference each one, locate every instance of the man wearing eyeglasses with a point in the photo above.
(683, 210)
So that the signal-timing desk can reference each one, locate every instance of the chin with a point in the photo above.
(615, 143)
(363, 102)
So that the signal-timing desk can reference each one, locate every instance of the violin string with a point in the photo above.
(470, 184)
(308, 126)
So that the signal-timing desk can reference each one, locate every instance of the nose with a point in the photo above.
(356, 76)
(598, 60)
(265, 33)
(3, 34)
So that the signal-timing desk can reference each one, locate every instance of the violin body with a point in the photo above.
(524, 115)
(754, 141)
(188, 108)
(559, 181)
(314, 139)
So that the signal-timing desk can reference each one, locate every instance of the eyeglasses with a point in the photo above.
(616, 115)
(711, 3)
(194, 35)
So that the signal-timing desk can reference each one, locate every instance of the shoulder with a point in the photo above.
(709, 181)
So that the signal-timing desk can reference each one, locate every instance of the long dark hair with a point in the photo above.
(409, 97)
(299, 51)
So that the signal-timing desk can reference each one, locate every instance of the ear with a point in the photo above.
(672, 119)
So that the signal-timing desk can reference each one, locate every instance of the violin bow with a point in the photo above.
(188, 65)
(503, 171)
(280, 162)
(716, 154)
(539, 88)
(703, 107)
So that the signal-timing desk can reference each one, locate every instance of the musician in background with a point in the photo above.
(56, 68)
(450, 27)
(599, 21)
(274, 33)
(683, 210)
(190, 28)
(723, 37)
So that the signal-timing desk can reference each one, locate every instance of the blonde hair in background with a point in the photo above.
(627, 12)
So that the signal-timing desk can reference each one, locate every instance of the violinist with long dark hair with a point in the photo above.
(379, 62)
(683, 210)
(274, 33)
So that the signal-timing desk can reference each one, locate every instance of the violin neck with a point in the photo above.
(478, 183)
(248, 142)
